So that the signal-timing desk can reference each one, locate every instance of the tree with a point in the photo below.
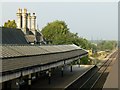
(107, 45)
(84, 60)
(10, 24)
(57, 32)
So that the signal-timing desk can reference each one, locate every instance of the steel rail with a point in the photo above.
(102, 73)
(101, 67)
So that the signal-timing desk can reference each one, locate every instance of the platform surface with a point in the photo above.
(61, 82)
(112, 79)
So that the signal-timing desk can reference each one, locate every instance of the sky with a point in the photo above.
(91, 20)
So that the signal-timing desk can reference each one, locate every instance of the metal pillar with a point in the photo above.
(71, 68)
(62, 71)
(19, 82)
(49, 76)
(29, 81)
(79, 62)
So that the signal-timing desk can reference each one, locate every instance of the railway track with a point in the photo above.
(95, 77)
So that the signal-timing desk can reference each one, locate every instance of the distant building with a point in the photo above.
(27, 24)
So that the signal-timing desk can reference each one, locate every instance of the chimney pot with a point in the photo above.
(25, 10)
(33, 13)
(18, 10)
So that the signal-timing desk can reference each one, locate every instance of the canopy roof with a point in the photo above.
(17, 56)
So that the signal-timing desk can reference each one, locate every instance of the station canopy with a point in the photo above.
(23, 56)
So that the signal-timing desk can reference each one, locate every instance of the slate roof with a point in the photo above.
(12, 36)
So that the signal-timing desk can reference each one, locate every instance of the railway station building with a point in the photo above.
(23, 57)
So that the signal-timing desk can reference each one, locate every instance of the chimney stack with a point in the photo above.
(19, 18)
(24, 20)
(29, 21)
(33, 22)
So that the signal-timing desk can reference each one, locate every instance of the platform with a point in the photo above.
(61, 82)
(112, 79)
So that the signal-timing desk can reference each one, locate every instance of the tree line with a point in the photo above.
(107, 45)
(57, 32)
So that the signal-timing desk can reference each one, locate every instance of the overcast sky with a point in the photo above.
(92, 20)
